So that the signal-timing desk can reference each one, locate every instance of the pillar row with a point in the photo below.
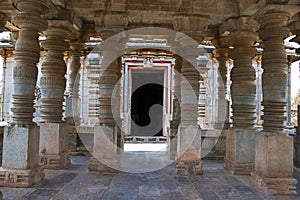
(274, 148)
(54, 133)
(21, 138)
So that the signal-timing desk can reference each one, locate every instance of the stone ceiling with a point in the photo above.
(199, 19)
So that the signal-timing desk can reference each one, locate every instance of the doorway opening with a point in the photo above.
(147, 102)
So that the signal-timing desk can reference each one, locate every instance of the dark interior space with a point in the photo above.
(147, 91)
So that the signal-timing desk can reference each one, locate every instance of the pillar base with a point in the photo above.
(55, 161)
(240, 151)
(237, 168)
(54, 145)
(20, 178)
(283, 186)
(274, 163)
(185, 168)
(95, 165)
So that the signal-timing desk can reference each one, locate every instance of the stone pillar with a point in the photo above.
(274, 148)
(221, 54)
(106, 132)
(54, 135)
(203, 80)
(21, 138)
(189, 158)
(72, 113)
(240, 140)
(172, 140)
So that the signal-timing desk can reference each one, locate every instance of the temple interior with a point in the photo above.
(162, 99)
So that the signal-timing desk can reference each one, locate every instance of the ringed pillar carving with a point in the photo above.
(21, 138)
(72, 113)
(240, 139)
(189, 158)
(274, 148)
(54, 133)
(106, 132)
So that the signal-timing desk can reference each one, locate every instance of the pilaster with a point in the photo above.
(21, 139)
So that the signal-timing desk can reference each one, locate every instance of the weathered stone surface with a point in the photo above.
(240, 151)
(54, 144)
(272, 172)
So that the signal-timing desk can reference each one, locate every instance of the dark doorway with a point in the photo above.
(147, 102)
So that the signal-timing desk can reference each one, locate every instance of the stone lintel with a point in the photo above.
(240, 151)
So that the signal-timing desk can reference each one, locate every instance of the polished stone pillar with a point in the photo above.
(189, 157)
(72, 113)
(274, 148)
(174, 124)
(106, 132)
(240, 140)
(54, 134)
(21, 138)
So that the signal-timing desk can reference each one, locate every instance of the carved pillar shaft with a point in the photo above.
(275, 71)
(108, 80)
(243, 88)
(72, 113)
(223, 104)
(27, 52)
(53, 82)
(189, 160)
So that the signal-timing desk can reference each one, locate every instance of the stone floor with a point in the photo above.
(76, 182)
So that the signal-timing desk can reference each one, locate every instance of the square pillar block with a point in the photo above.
(274, 163)
(240, 151)
(105, 157)
(189, 151)
(20, 164)
(54, 145)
